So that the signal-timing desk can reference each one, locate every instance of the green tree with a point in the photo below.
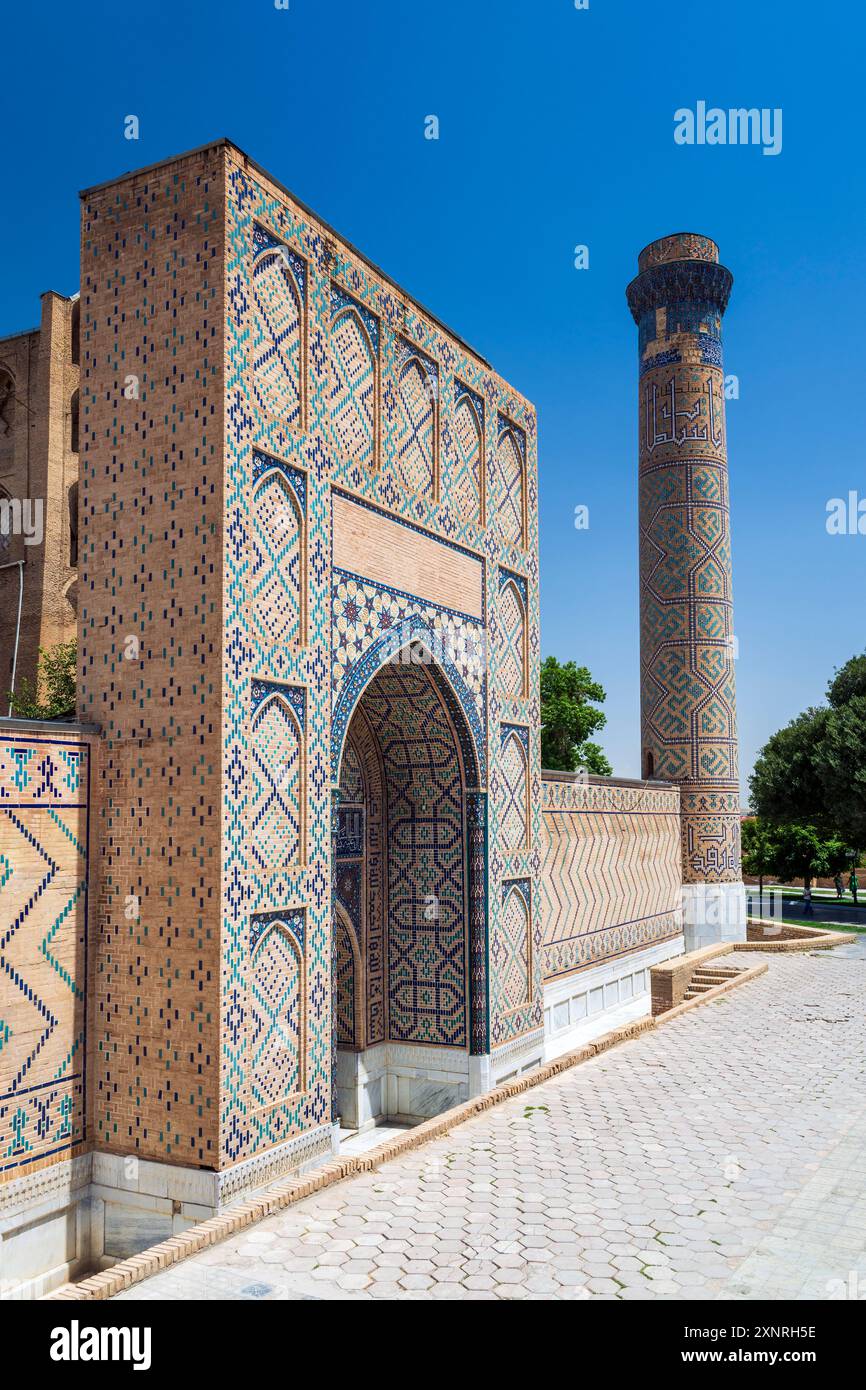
(759, 853)
(786, 785)
(848, 683)
(52, 695)
(813, 772)
(801, 852)
(569, 719)
(840, 758)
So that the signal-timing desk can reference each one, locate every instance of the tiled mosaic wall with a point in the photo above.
(350, 386)
(688, 696)
(45, 778)
(239, 365)
(610, 876)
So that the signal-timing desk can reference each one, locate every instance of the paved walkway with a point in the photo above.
(719, 1156)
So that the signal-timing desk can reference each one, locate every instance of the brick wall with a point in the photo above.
(151, 638)
(38, 463)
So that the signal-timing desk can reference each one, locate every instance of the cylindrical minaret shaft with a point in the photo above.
(688, 699)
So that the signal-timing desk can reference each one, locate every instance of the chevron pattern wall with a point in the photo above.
(44, 827)
(610, 876)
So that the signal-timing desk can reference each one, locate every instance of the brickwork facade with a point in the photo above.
(265, 418)
(688, 698)
(38, 467)
(315, 861)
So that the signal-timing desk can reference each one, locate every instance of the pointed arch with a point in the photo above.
(445, 825)
(347, 974)
(511, 510)
(277, 1016)
(514, 652)
(512, 946)
(277, 816)
(468, 481)
(418, 427)
(278, 350)
(514, 770)
(352, 780)
(414, 632)
(74, 421)
(7, 403)
(354, 394)
(277, 585)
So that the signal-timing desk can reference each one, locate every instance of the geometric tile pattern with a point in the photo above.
(688, 695)
(417, 445)
(44, 827)
(512, 944)
(510, 455)
(372, 623)
(513, 767)
(512, 630)
(276, 350)
(610, 874)
(277, 563)
(306, 341)
(468, 462)
(276, 1015)
(354, 347)
(345, 983)
(277, 772)
(426, 912)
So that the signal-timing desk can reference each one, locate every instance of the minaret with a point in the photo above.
(688, 698)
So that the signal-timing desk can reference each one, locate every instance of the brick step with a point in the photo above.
(716, 975)
(696, 987)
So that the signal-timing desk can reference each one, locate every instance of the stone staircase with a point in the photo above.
(707, 977)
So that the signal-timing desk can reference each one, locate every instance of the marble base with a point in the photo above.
(135, 1203)
(44, 1229)
(584, 1005)
(69, 1219)
(399, 1083)
(713, 913)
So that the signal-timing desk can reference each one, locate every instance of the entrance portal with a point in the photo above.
(401, 902)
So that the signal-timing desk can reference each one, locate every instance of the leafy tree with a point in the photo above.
(568, 718)
(52, 695)
(848, 683)
(813, 772)
(801, 852)
(759, 852)
(840, 856)
(786, 784)
(841, 763)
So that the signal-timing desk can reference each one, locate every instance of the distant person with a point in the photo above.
(807, 901)
(853, 886)
(840, 887)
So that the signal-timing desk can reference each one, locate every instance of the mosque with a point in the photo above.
(296, 868)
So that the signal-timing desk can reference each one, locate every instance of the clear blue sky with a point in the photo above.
(556, 129)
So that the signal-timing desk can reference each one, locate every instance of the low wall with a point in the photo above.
(610, 877)
(671, 980)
